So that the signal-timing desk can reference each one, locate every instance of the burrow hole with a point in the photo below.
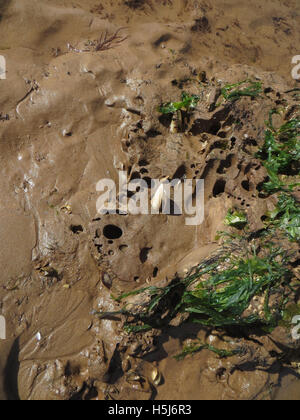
(76, 229)
(112, 232)
(144, 254)
(219, 187)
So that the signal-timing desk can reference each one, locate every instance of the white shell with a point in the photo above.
(156, 377)
(158, 198)
(173, 127)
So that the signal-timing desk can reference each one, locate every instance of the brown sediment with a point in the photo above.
(79, 112)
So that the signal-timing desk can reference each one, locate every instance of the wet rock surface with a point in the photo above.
(78, 114)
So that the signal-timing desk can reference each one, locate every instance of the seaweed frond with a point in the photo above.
(281, 154)
(196, 347)
(187, 103)
(234, 92)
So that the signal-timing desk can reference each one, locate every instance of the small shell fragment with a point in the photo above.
(173, 127)
(177, 123)
(156, 377)
(67, 133)
(132, 376)
(67, 209)
(158, 196)
(204, 145)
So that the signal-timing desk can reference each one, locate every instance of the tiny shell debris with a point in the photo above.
(158, 196)
(132, 376)
(67, 209)
(177, 123)
(156, 377)
(67, 133)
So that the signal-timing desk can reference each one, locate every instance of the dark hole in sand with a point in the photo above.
(76, 229)
(135, 175)
(225, 164)
(201, 25)
(153, 133)
(180, 173)
(246, 185)
(219, 187)
(163, 38)
(143, 162)
(148, 180)
(201, 126)
(144, 254)
(112, 232)
(123, 248)
(166, 120)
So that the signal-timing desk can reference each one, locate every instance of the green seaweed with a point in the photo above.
(218, 293)
(194, 348)
(281, 154)
(223, 298)
(126, 295)
(233, 92)
(137, 328)
(187, 103)
(286, 217)
(236, 219)
(281, 157)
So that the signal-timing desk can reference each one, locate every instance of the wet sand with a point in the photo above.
(71, 116)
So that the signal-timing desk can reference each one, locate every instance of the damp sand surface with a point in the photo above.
(84, 80)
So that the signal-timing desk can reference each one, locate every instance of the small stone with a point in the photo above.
(106, 280)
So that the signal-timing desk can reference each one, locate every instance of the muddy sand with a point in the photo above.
(84, 81)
